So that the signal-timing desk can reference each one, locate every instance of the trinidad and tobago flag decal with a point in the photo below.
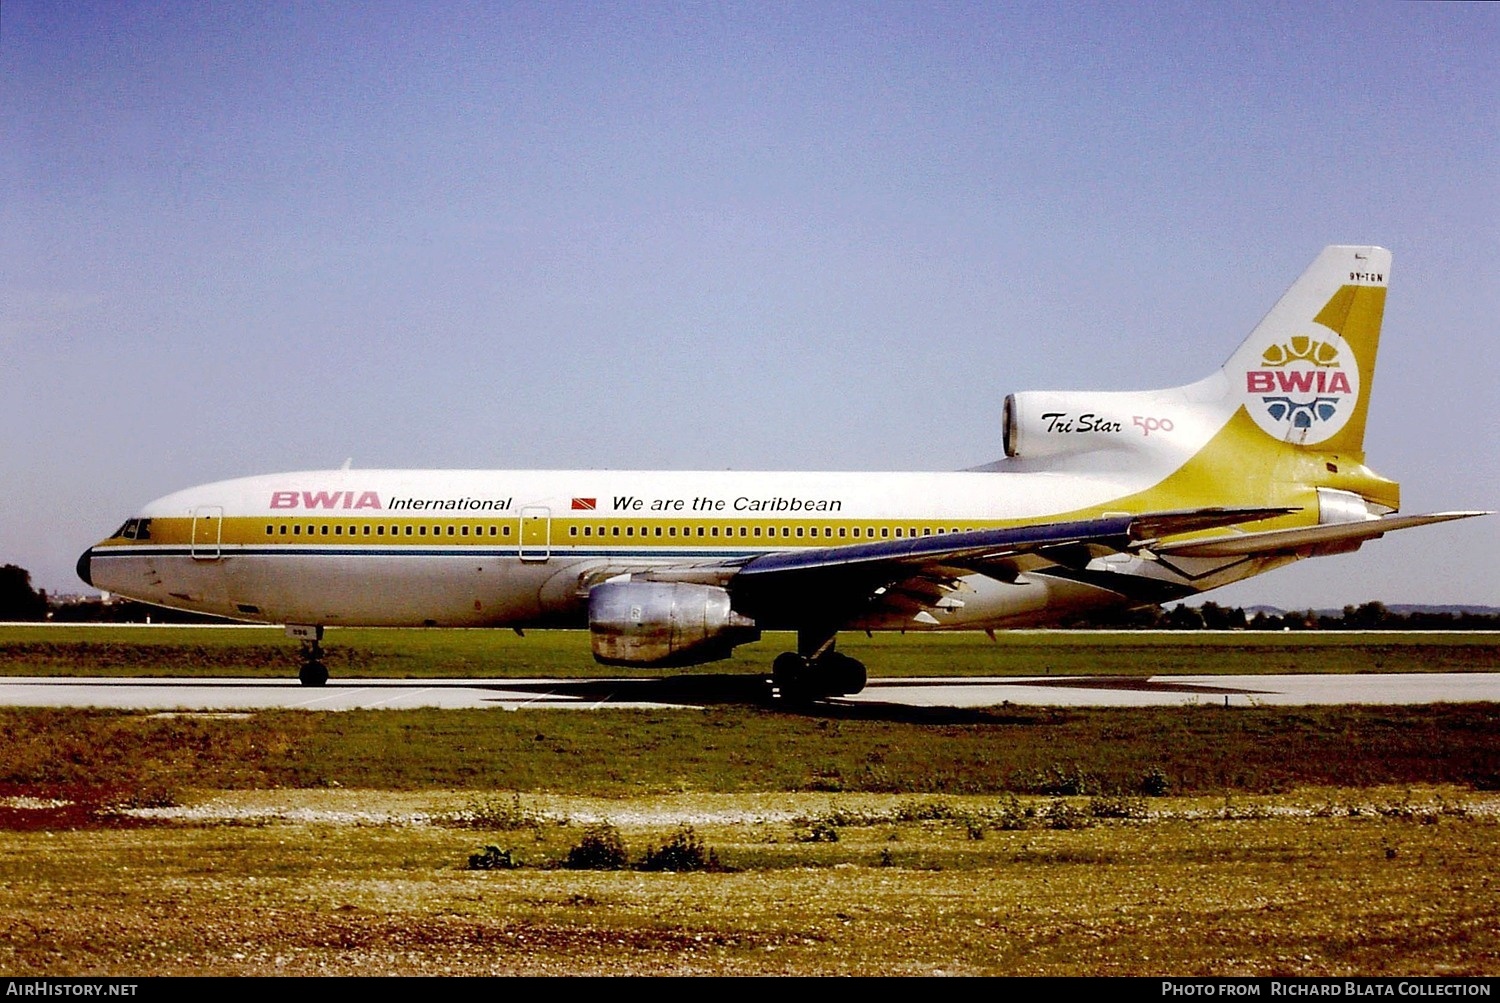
(585, 504)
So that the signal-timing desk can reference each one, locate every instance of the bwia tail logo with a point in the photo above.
(1304, 388)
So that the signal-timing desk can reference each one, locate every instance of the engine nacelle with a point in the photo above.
(1040, 424)
(664, 623)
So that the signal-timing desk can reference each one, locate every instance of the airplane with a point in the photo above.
(1103, 501)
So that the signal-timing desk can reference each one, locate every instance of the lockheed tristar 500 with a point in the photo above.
(1103, 501)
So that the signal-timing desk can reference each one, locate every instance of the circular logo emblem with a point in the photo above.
(1303, 389)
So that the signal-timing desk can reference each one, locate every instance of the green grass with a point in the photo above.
(747, 749)
(355, 652)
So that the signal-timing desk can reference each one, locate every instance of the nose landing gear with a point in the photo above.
(313, 671)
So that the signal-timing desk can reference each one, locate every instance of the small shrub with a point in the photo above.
(683, 852)
(493, 859)
(601, 849)
(1064, 815)
(1013, 816)
(151, 797)
(1117, 807)
(494, 815)
(924, 811)
(1062, 782)
(1154, 783)
(817, 831)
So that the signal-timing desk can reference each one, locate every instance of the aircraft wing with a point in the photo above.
(916, 574)
(1338, 535)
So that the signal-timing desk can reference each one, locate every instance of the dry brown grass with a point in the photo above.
(1331, 882)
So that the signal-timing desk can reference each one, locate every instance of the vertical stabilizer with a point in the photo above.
(1304, 374)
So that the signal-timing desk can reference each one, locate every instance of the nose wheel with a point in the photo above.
(313, 671)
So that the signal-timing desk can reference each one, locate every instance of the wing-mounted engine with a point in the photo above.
(664, 623)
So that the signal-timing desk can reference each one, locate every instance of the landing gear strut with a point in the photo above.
(806, 675)
(313, 671)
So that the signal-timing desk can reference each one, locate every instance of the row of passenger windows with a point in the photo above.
(338, 530)
(844, 532)
(828, 531)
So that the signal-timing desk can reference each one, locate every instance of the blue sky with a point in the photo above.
(240, 238)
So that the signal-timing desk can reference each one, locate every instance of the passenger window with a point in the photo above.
(421, 530)
(757, 530)
(799, 530)
(856, 532)
(379, 530)
(283, 530)
(337, 530)
(671, 531)
(296, 530)
(323, 529)
(614, 531)
(885, 531)
(572, 530)
(268, 531)
(658, 531)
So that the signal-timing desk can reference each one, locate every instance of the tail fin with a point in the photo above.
(1304, 373)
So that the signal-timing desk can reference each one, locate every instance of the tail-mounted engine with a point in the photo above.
(1040, 423)
(664, 623)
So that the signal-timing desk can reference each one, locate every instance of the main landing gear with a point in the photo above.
(816, 675)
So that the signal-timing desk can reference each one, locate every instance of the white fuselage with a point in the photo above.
(521, 548)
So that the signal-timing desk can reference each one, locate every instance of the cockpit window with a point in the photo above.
(135, 529)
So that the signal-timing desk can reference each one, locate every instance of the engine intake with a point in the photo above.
(664, 623)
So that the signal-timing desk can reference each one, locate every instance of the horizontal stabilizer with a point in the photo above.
(1272, 541)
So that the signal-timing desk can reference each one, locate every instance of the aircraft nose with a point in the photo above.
(84, 568)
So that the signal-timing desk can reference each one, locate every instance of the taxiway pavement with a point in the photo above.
(231, 695)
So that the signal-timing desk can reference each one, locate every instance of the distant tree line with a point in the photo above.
(1366, 616)
(19, 601)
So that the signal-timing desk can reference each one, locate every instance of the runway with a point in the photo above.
(699, 690)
